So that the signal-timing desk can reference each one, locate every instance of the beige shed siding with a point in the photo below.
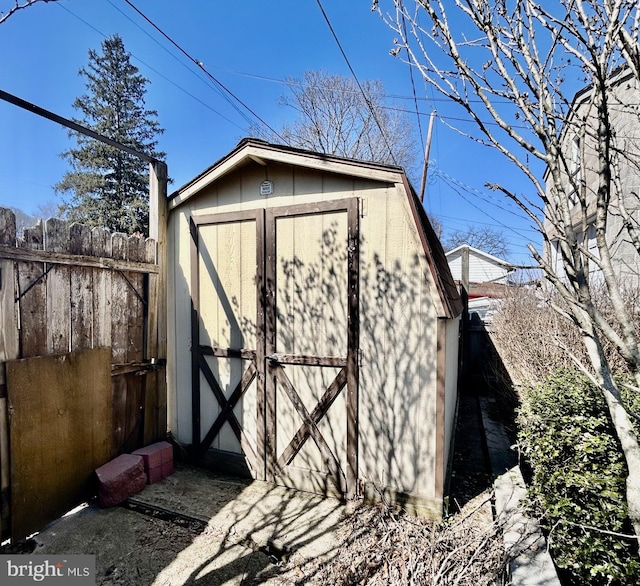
(311, 296)
(451, 384)
(179, 327)
(228, 320)
(399, 309)
(398, 339)
(311, 319)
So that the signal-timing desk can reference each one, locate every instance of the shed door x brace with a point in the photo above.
(275, 339)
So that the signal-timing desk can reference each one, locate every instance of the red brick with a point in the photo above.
(167, 452)
(167, 469)
(155, 454)
(155, 474)
(119, 479)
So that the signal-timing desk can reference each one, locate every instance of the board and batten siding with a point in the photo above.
(399, 311)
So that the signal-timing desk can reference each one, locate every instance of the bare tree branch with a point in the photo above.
(513, 68)
(19, 6)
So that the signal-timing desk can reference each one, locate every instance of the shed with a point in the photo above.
(313, 326)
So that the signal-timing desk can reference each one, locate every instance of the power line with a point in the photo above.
(151, 68)
(448, 179)
(413, 87)
(355, 77)
(502, 224)
(165, 49)
(486, 197)
(254, 76)
(494, 224)
(227, 92)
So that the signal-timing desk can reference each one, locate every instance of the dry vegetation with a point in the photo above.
(384, 547)
(535, 340)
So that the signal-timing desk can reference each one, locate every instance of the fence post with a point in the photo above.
(157, 339)
(9, 350)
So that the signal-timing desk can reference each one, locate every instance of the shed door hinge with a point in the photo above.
(360, 355)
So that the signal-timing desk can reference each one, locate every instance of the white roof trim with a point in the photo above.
(477, 252)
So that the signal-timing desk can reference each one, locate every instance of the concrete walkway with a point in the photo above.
(483, 460)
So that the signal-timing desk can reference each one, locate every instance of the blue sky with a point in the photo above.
(250, 47)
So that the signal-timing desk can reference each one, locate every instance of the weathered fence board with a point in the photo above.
(67, 288)
(150, 383)
(32, 296)
(81, 291)
(119, 337)
(59, 437)
(9, 349)
(56, 237)
(101, 247)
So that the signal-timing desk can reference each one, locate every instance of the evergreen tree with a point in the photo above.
(108, 187)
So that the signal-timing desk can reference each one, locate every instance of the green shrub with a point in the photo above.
(578, 480)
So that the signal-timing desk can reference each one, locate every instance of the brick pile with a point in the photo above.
(158, 461)
(128, 474)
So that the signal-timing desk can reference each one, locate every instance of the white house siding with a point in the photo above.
(624, 97)
(481, 268)
(399, 310)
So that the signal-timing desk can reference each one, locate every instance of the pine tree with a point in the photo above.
(109, 187)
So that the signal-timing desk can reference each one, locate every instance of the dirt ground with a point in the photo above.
(199, 528)
(196, 528)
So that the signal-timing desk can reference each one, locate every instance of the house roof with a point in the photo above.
(616, 77)
(482, 254)
(251, 150)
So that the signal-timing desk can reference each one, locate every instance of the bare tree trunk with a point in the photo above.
(623, 428)
(522, 53)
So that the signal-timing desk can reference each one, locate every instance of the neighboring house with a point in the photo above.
(313, 332)
(486, 275)
(579, 138)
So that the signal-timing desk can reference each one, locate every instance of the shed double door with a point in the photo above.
(274, 370)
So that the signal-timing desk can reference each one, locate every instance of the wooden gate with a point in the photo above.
(275, 317)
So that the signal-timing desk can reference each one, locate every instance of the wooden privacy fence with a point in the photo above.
(66, 288)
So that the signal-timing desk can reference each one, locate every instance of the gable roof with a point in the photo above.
(480, 253)
(258, 151)
(251, 150)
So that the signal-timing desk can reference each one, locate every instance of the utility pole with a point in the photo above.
(426, 156)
